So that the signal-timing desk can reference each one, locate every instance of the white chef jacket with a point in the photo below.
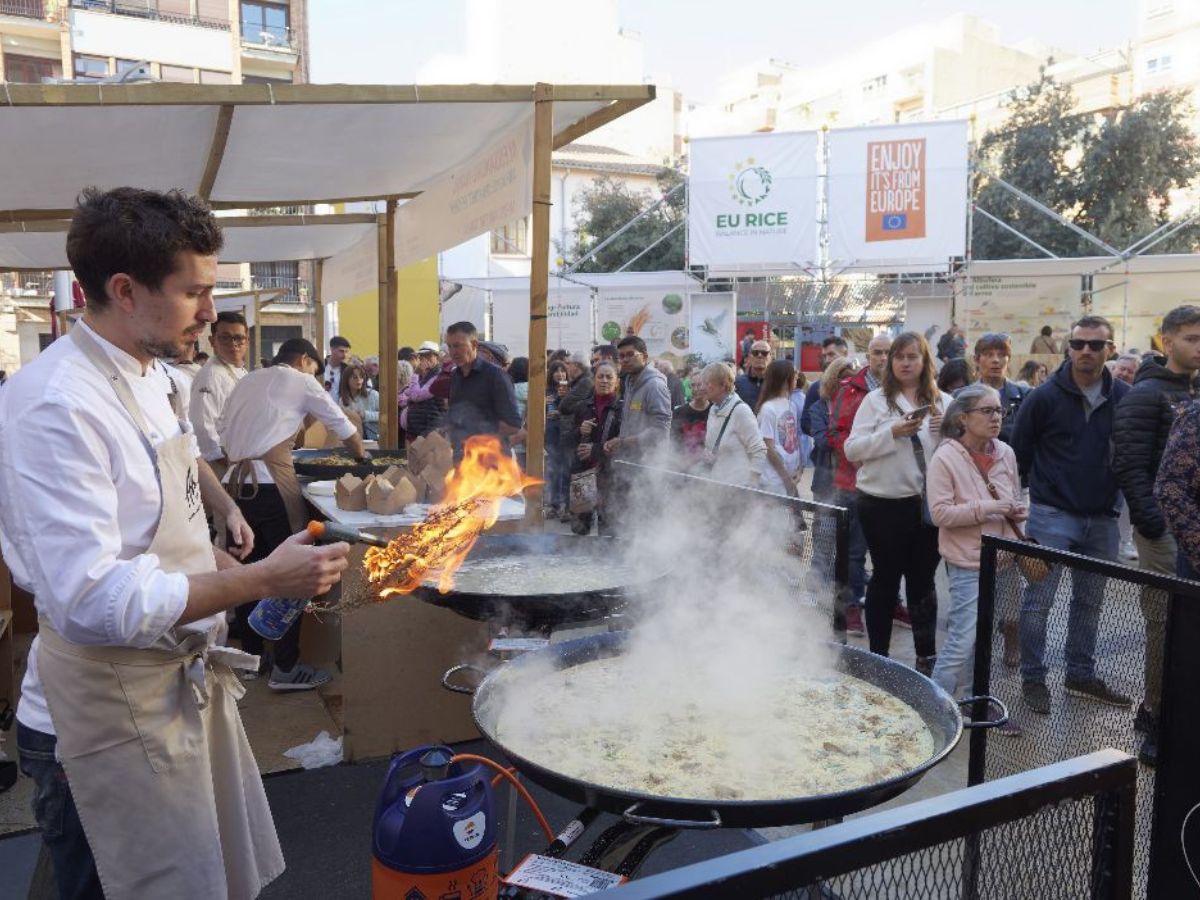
(210, 392)
(80, 502)
(182, 376)
(268, 406)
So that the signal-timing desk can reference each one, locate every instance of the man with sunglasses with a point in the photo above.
(992, 353)
(749, 383)
(215, 382)
(1062, 438)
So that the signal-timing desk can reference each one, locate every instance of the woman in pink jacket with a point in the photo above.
(973, 489)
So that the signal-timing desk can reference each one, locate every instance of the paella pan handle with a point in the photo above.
(986, 723)
(633, 818)
(448, 678)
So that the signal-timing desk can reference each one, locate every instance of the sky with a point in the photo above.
(694, 42)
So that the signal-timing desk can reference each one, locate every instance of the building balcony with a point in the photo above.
(271, 38)
(40, 10)
(27, 284)
(297, 288)
(144, 9)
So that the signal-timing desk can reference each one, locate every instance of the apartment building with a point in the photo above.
(184, 41)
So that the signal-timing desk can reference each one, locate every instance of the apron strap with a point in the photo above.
(98, 358)
(278, 461)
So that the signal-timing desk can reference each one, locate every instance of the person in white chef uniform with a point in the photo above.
(145, 782)
(215, 382)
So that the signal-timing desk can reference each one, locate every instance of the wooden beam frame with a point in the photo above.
(539, 285)
(216, 150)
(56, 225)
(318, 306)
(600, 117)
(389, 413)
(161, 94)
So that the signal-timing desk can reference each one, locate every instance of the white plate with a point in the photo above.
(321, 488)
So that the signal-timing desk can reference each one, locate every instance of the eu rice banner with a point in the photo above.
(752, 202)
(898, 195)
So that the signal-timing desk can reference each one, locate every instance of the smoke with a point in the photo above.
(740, 609)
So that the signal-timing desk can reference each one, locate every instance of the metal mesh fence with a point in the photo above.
(1093, 635)
(1049, 854)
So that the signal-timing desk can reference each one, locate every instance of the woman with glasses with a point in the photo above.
(973, 489)
(895, 432)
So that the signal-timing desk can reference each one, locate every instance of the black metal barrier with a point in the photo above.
(821, 533)
(1061, 831)
(1059, 615)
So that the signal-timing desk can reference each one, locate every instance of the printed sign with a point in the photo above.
(656, 315)
(897, 195)
(752, 201)
(560, 877)
(713, 326)
(896, 190)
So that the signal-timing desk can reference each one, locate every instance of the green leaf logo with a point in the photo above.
(749, 184)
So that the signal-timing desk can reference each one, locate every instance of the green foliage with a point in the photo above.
(608, 205)
(1110, 174)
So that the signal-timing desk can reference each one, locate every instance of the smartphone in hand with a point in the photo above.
(917, 414)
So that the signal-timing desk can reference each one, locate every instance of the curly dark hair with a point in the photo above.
(136, 232)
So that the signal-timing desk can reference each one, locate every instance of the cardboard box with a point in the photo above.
(350, 493)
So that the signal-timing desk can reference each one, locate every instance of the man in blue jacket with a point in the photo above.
(1063, 440)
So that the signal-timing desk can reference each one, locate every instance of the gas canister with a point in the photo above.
(434, 832)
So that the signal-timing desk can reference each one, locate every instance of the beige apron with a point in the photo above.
(243, 481)
(160, 769)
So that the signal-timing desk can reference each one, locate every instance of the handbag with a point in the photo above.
(1034, 570)
(919, 453)
(584, 492)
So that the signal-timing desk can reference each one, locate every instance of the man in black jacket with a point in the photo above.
(1161, 389)
(1062, 440)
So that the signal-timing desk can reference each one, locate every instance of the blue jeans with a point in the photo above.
(858, 545)
(1094, 536)
(956, 659)
(54, 809)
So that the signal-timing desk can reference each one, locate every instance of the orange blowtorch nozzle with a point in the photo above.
(332, 531)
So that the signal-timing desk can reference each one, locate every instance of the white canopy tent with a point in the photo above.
(280, 145)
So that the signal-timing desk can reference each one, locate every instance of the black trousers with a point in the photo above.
(267, 517)
(901, 545)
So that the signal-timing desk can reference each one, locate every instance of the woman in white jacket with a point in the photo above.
(895, 432)
(733, 445)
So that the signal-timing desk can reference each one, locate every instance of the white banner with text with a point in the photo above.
(898, 195)
(752, 202)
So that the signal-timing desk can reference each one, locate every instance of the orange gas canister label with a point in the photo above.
(477, 882)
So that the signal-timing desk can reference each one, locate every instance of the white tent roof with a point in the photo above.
(266, 145)
(585, 280)
(290, 238)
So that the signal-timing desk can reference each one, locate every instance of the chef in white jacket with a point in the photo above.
(128, 724)
(215, 382)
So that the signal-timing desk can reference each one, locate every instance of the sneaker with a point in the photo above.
(302, 678)
(1036, 696)
(925, 665)
(900, 615)
(1129, 551)
(854, 621)
(1095, 689)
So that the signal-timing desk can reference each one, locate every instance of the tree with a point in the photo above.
(606, 206)
(1111, 175)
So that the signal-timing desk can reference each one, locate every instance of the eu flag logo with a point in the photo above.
(895, 221)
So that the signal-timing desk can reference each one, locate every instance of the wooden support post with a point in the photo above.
(389, 416)
(318, 307)
(256, 347)
(539, 284)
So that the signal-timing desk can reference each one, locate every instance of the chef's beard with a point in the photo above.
(166, 349)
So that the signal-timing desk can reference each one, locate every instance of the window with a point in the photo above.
(1157, 65)
(874, 86)
(177, 74)
(90, 68)
(265, 23)
(512, 239)
(207, 77)
(30, 69)
(124, 65)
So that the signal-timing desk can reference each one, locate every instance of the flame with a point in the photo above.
(441, 543)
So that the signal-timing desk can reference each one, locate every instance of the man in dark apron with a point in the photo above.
(128, 724)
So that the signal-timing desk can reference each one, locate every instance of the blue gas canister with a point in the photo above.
(434, 833)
